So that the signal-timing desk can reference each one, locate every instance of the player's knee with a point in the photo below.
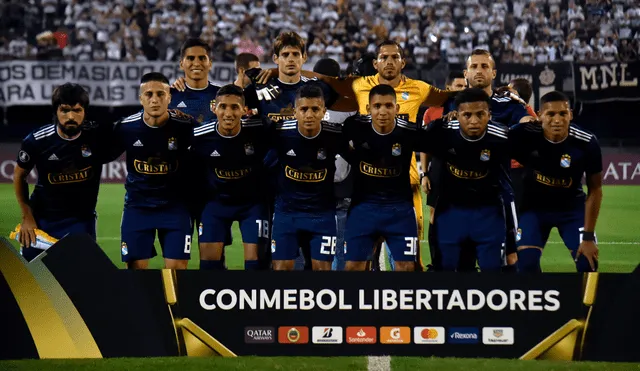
(432, 212)
(138, 264)
(250, 251)
(175, 264)
(405, 266)
(319, 265)
(529, 259)
(355, 266)
(211, 250)
(283, 265)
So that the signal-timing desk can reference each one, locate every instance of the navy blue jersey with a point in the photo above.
(473, 169)
(68, 170)
(504, 109)
(306, 167)
(554, 171)
(233, 165)
(381, 162)
(198, 103)
(156, 159)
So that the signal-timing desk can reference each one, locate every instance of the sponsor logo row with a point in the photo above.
(387, 335)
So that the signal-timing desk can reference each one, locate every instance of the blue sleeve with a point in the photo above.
(430, 138)
(594, 157)
(448, 106)
(27, 156)
(518, 111)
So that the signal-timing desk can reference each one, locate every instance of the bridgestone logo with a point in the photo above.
(457, 335)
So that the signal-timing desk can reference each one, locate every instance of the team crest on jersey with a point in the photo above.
(322, 155)
(86, 151)
(396, 149)
(248, 149)
(485, 155)
(273, 246)
(344, 249)
(173, 144)
(123, 249)
(24, 156)
(405, 95)
(200, 230)
(565, 161)
(519, 235)
(200, 118)
(212, 105)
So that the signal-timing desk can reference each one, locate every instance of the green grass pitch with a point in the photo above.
(619, 242)
(618, 236)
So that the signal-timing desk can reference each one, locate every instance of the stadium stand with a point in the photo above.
(519, 31)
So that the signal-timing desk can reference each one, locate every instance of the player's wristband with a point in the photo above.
(422, 175)
(588, 236)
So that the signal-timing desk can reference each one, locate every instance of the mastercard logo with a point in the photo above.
(429, 333)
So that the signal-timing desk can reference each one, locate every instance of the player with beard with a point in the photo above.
(68, 156)
(156, 142)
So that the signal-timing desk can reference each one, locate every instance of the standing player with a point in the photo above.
(556, 156)
(156, 142)
(244, 62)
(474, 151)
(198, 95)
(232, 152)
(382, 203)
(68, 155)
(305, 212)
(344, 177)
(432, 169)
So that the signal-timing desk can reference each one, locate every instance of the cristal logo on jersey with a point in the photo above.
(485, 155)
(71, 176)
(310, 176)
(248, 149)
(232, 174)
(379, 172)
(466, 174)
(86, 151)
(396, 149)
(173, 144)
(565, 161)
(285, 114)
(154, 166)
(553, 182)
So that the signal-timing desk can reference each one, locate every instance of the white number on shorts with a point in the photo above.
(412, 246)
(263, 228)
(328, 246)
(187, 244)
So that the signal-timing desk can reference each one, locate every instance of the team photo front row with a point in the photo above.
(276, 179)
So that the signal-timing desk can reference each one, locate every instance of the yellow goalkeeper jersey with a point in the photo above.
(410, 94)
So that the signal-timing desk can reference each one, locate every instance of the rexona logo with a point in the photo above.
(255, 335)
(463, 335)
(293, 335)
(395, 335)
(428, 335)
(498, 336)
(326, 335)
(361, 335)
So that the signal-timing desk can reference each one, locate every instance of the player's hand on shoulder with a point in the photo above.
(451, 116)
(180, 115)
(266, 74)
(180, 84)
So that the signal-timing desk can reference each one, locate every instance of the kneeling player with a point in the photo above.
(231, 151)
(382, 206)
(305, 205)
(474, 152)
(556, 155)
(156, 142)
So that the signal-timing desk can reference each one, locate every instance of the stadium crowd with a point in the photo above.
(518, 31)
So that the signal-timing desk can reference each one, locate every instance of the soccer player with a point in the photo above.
(231, 151)
(383, 146)
(474, 151)
(305, 212)
(244, 62)
(198, 96)
(432, 169)
(68, 156)
(344, 177)
(556, 155)
(156, 142)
